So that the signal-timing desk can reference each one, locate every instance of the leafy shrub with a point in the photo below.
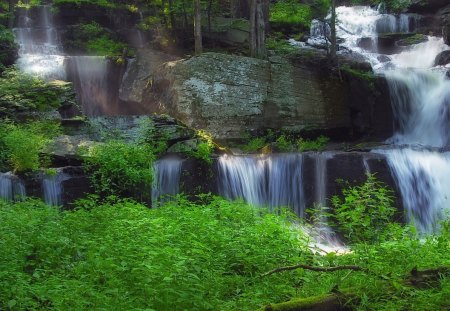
(290, 12)
(8, 47)
(96, 40)
(254, 144)
(24, 93)
(365, 212)
(124, 256)
(280, 46)
(318, 144)
(22, 144)
(117, 167)
(283, 144)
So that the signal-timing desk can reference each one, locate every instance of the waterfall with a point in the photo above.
(90, 78)
(11, 187)
(423, 178)
(39, 48)
(52, 188)
(167, 180)
(270, 181)
(420, 97)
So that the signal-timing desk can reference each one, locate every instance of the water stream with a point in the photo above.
(167, 180)
(40, 52)
(53, 189)
(420, 96)
(11, 187)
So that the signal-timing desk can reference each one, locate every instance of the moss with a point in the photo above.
(414, 39)
(330, 301)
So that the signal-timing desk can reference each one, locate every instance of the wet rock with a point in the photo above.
(426, 7)
(417, 38)
(442, 58)
(366, 43)
(388, 42)
(383, 58)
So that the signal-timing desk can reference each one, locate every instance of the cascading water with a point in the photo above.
(39, 49)
(11, 187)
(167, 180)
(90, 78)
(53, 189)
(271, 181)
(420, 97)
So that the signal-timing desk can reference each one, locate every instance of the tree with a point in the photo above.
(258, 22)
(197, 27)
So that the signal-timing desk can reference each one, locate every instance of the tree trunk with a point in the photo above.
(260, 30)
(252, 39)
(197, 28)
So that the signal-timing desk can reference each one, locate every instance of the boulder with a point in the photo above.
(229, 95)
(442, 58)
(427, 6)
(388, 43)
(415, 39)
(366, 43)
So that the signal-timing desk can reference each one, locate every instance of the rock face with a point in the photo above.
(442, 58)
(228, 95)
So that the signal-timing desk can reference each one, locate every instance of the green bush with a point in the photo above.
(291, 12)
(254, 144)
(117, 167)
(8, 47)
(317, 144)
(24, 93)
(124, 256)
(365, 212)
(94, 39)
(21, 145)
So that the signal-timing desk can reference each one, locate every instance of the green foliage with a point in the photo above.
(21, 145)
(118, 167)
(203, 149)
(290, 12)
(365, 211)
(317, 144)
(8, 47)
(280, 46)
(101, 3)
(254, 144)
(282, 143)
(96, 40)
(24, 93)
(124, 256)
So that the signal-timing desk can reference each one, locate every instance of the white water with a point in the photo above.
(91, 83)
(269, 181)
(53, 189)
(167, 180)
(39, 49)
(420, 97)
(11, 187)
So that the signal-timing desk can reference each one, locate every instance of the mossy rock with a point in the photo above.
(415, 39)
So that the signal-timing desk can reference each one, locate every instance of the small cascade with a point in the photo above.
(423, 178)
(11, 187)
(270, 181)
(39, 49)
(421, 103)
(52, 188)
(90, 78)
(167, 180)
(320, 173)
